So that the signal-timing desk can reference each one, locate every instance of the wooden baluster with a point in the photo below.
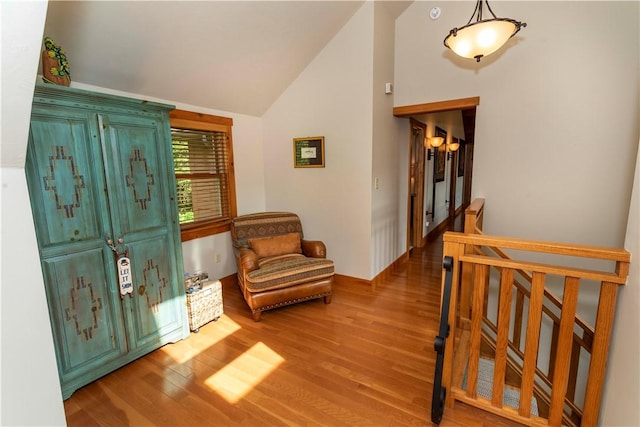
(466, 287)
(574, 366)
(563, 352)
(601, 338)
(553, 350)
(573, 370)
(517, 321)
(485, 306)
(502, 340)
(481, 283)
(532, 342)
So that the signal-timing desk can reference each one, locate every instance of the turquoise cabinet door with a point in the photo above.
(88, 328)
(138, 176)
(140, 184)
(72, 216)
(68, 200)
(156, 307)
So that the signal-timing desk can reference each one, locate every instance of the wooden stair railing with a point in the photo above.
(476, 258)
(473, 224)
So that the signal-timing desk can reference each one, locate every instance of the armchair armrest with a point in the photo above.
(247, 260)
(313, 248)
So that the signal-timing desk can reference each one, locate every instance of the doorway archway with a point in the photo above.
(417, 113)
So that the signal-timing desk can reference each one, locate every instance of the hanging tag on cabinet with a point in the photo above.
(124, 276)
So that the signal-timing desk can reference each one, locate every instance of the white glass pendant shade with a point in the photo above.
(436, 141)
(480, 39)
(484, 36)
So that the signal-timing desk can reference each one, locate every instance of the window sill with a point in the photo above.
(197, 231)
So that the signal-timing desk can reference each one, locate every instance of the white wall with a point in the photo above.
(388, 205)
(622, 389)
(557, 125)
(30, 386)
(332, 97)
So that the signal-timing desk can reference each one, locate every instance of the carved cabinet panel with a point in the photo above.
(101, 184)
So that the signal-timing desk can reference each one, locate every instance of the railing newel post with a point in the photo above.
(466, 288)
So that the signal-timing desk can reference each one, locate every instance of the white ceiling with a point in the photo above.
(448, 120)
(235, 56)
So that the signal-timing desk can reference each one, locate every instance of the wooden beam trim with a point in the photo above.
(436, 107)
(200, 117)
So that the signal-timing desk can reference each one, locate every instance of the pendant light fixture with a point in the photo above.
(483, 36)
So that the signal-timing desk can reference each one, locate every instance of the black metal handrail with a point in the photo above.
(439, 392)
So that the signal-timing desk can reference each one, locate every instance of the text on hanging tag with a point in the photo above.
(124, 276)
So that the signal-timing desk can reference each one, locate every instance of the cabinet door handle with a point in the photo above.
(110, 244)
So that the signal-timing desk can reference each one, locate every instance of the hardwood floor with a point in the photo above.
(365, 359)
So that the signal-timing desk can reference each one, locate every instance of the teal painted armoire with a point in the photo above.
(102, 189)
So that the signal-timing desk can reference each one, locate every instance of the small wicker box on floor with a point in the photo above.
(204, 305)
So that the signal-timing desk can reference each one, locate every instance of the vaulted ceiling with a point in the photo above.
(236, 56)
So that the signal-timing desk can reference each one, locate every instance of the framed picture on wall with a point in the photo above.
(461, 155)
(440, 157)
(308, 152)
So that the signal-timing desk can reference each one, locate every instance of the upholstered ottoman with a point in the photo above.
(204, 305)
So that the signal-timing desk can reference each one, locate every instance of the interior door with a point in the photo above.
(66, 186)
(417, 183)
(139, 186)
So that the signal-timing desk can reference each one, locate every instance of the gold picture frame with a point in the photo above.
(308, 152)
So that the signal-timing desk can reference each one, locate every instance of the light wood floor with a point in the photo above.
(365, 359)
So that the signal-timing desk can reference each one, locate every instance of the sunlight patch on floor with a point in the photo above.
(240, 376)
(199, 342)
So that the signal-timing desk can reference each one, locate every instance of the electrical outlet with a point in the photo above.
(218, 258)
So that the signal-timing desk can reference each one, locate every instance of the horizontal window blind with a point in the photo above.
(201, 162)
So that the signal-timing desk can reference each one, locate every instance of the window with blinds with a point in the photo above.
(202, 156)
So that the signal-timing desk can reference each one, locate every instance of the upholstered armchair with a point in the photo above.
(276, 266)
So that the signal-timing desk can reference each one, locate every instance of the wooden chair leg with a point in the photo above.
(327, 299)
(256, 315)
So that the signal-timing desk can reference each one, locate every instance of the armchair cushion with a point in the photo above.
(286, 271)
(276, 245)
